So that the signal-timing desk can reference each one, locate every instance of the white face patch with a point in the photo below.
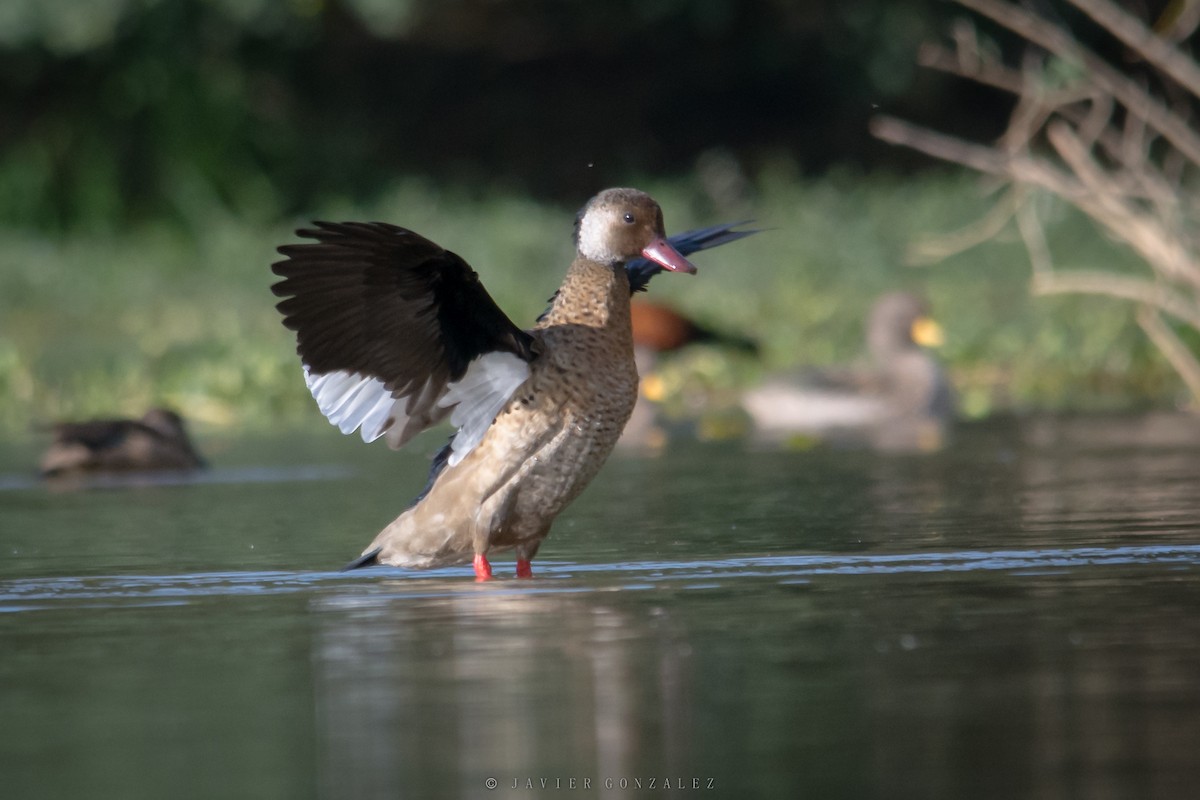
(595, 234)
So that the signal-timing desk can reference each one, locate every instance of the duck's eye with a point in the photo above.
(629, 218)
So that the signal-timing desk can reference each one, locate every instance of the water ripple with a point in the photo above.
(134, 480)
(557, 577)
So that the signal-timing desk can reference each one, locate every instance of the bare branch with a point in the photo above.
(1027, 118)
(1095, 123)
(1175, 350)
(997, 76)
(1135, 99)
(948, 148)
(988, 72)
(1105, 203)
(1022, 168)
(1135, 35)
(930, 249)
(1035, 240)
(1139, 290)
(1124, 168)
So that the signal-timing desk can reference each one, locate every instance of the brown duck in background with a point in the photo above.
(396, 333)
(659, 329)
(904, 402)
(158, 441)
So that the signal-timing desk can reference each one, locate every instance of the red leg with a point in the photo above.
(524, 568)
(483, 570)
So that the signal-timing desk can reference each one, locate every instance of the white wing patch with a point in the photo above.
(350, 400)
(478, 397)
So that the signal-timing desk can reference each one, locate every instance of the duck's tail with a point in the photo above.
(367, 559)
(641, 270)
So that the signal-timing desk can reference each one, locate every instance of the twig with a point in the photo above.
(1125, 168)
(1170, 346)
(1017, 168)
(1095, 123)
(939, 145)
(1149, 45)
(1104, 203)
(1035, 240)
(990, 73)
(1027, 118)
(930, 249)
(1135, 99)
(1139, 290)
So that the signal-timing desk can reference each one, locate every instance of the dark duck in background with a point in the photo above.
(156, 442)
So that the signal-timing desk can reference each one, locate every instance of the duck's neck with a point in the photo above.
(593, 295)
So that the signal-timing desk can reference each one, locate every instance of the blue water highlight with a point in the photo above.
(559, 577)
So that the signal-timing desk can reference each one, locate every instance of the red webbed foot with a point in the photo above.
(483, 570)
(524, 568)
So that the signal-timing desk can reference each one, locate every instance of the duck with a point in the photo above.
(658, 328)
(903, 402)
(157, 441)
(396, 333)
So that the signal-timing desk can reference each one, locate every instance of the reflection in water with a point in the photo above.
(141, 480)
(1061, 480)
(31, 594)
(1055, 686)
(1011, 617)
(1136, 479)
(1041, 673)
(447, 692)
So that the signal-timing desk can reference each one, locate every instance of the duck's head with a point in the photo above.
(899, 322)
(619, 225)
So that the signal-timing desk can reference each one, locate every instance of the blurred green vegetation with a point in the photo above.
(120, 111)
(104, 323)
(153, 153)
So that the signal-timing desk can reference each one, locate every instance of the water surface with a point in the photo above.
(1013, 617)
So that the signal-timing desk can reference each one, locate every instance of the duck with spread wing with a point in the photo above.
(397, 334)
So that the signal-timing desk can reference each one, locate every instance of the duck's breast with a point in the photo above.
(572, 410)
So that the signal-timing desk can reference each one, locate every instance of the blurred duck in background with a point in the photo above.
(157, 441)
(660, 329)
(903, 402)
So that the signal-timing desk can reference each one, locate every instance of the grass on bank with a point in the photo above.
(109, 324)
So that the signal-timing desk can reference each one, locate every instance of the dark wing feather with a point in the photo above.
(381, 302)
(641, 270)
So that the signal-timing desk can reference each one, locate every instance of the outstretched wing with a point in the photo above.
(395, 333)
